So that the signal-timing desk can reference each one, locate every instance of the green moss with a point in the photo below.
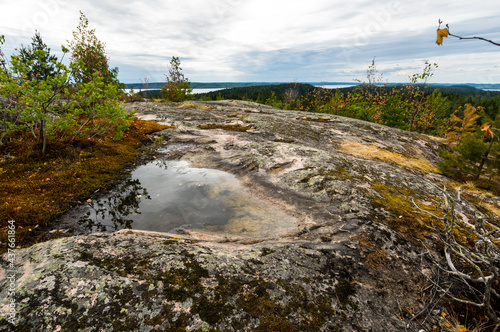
(326, 238)
(129, 324)
(276, 316)
(325, 175)
(214, 310)
(396, 200)
(276, 323)
(344, 289)
(266, 251)
(73, 324)
(121, 265)
(21, 327)
(277, 305)
(257, 302)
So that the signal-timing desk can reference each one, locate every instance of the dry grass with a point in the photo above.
(374, 153)
(450, 321)
(192, 105)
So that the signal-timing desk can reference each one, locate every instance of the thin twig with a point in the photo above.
(481, 38)
(459, 37)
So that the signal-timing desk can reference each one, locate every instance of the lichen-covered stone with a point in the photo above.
(352, 263)
(146, 282)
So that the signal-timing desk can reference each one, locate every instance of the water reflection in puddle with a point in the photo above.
(171, 196)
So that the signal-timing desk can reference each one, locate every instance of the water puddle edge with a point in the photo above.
(172, 196)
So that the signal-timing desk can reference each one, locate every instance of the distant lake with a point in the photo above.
(206, 90)
(194, 90)
(335, 86)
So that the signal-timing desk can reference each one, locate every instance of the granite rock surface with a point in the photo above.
(355, 259)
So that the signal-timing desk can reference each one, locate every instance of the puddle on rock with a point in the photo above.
(172, 196)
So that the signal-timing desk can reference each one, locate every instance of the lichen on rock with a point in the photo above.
(353, 261)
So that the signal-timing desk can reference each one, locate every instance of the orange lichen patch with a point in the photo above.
(374, 153)
(35, 189)
(229, 127)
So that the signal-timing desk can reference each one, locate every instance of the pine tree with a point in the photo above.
(87, 49)
(41, 64)
(177, 87)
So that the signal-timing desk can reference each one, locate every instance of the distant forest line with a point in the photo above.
(358, 100)
(460, 94)
(229, 85)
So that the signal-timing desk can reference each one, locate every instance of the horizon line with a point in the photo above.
(315, 82)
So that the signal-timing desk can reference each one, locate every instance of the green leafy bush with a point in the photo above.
(39, 93)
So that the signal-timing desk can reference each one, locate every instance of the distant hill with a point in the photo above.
(466, 90)
(260, 93)
(201, 85)
(469, 89)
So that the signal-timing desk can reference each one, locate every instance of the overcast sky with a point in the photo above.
(271, 40)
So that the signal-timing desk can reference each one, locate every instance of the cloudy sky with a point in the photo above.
(272, 40)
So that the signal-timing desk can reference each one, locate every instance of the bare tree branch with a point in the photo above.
(481, 38)
(477, 267)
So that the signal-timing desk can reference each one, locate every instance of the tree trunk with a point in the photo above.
(483, 160)
(43, 136)
(40, 133)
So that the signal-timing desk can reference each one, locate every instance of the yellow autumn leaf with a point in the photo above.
(461, 328)
(441, 33)
(487, 129)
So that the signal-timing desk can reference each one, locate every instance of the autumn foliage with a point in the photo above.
(441, 33)
(474, 147)
(407, 107)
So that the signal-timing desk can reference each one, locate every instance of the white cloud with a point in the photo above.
(270, 40)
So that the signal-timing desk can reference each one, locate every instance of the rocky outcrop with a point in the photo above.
(353, 262)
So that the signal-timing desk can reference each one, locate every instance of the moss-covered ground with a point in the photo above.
(35, 189)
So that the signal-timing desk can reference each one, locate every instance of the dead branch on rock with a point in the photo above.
(476, 267)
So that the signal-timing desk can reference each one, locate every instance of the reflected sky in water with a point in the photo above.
(172, 196)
